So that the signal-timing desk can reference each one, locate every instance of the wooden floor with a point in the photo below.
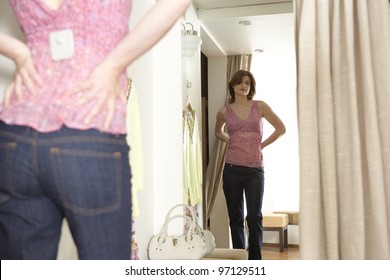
(271, 252)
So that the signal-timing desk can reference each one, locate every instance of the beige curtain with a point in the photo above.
(343, 52)
(213, 176)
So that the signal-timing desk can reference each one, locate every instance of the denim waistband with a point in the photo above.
(65, 134)
(243, 167)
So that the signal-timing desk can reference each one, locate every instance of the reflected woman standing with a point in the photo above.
(244, 167)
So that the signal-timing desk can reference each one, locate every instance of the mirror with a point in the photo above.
(264, 29)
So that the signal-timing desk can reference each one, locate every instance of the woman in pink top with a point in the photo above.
(63, 151)
(244, 169)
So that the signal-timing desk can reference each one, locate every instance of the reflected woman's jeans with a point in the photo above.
(238, 180)
(80, 175)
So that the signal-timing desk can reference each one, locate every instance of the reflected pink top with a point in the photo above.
(244, 146)
(98, 26)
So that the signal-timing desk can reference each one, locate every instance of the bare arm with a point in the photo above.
(25, 73)
(154, 25)
(219, 126)
(12, 47)
(274, 120)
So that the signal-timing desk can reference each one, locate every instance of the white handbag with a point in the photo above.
(208, 239)
(206, 235)
(189, 246)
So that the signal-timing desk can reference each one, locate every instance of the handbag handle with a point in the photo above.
(193, 219)
(165, 226)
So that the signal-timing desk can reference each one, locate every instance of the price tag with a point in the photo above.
(62, 44)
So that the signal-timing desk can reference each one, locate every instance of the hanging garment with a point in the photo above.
(192, 157)
(134, 139)
(134, 243)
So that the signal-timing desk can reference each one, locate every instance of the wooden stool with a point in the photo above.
(293, 216)
(277, 222)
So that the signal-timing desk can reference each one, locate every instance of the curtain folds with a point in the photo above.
(343, 65)
(213, 176)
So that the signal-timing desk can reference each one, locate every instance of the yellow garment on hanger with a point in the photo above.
(192, 158)
(134, 140)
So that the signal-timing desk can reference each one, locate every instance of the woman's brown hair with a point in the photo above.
(236, 80)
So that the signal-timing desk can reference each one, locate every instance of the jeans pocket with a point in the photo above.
(7, 150)
(88, 182)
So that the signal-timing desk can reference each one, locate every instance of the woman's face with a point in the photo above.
(244, 87)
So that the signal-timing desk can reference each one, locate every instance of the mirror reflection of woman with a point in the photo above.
(244, 167)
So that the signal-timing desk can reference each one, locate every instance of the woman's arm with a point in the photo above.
(274, 120)
(219, 126)
(25, 73)
(152, 27)
(103, 83)
(12, 47)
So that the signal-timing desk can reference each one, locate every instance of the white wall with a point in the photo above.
(160, 79)
(157, 78)
(276, 85)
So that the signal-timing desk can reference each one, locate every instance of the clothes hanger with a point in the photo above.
(188, 103)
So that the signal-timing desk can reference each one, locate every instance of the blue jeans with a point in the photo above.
(80, 175)
(238, 180)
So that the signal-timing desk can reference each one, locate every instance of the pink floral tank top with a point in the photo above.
(244, 146)
(97, 26)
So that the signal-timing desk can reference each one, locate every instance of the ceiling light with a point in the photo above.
(245, 22)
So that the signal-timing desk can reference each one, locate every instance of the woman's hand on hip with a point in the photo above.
(26, 77)
(102, 86)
